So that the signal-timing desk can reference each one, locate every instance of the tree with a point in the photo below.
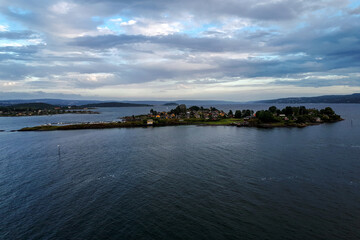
(272, 109)
(238, 114)
(303, 110)
(247, 113)
(288, 111)
(328, 111)
(194, 108)
(265, 116)
(230, 113)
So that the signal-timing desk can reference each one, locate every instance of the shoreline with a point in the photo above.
(177, 123)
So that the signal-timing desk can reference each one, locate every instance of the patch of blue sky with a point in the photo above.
(267, 57)
(196, 31)
(354, 4)
(14, 43)
(11, 25)
(112, 23)
(19, 11)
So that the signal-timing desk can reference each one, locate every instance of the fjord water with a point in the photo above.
(185, 182)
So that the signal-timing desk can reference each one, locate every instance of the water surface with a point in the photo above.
(184, 182)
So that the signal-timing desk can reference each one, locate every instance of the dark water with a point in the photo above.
(182, 182)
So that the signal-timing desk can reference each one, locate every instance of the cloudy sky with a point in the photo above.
(190, 49)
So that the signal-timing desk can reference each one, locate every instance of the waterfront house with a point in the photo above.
(150, 122)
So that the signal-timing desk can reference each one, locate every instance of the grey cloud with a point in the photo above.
(277, 48)
(37, 95)
(179, 41)
(352, 82)
(18, 35)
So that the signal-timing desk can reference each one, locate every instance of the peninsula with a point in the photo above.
(38, 109)
(181, 115)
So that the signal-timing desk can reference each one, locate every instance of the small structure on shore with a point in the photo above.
(150, 122)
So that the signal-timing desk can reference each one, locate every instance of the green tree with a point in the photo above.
(328, 111)
(272, 109)
(194, 108)
(247, 113)
(265, 116)
(230, 113)
(303, 110)
(288, 111)
(238, 114)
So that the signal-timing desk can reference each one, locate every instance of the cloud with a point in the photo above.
(38, 95)
(106, 46)
(18, 35)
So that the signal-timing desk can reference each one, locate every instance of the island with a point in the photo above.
(171, 104)
(39, 109)
(181, 115)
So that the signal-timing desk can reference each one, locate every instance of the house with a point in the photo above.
(150, 122)
(317, 119)
(282, 115)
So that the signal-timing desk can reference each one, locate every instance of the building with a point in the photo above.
(150, 122)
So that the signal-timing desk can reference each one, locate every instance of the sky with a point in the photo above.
(238, 50)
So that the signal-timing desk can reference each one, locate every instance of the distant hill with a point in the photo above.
(32, 106)
(57, 102)
(115, 104)
(65, 102)
(170, 104)
(353, 98)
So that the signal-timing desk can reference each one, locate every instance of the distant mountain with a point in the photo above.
(115, 104)
(353, 98)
